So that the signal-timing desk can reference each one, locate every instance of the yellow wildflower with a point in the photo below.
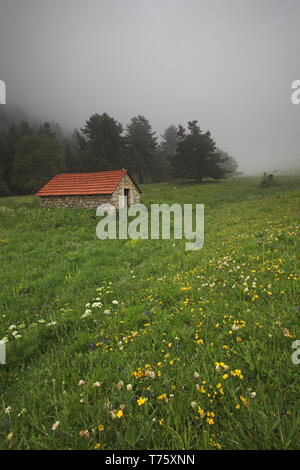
(141, 401)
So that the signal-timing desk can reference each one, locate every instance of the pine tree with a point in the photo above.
(141, 148)
(196, 155)
(101, 143)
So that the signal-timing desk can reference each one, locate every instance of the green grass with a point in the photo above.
(171, 325)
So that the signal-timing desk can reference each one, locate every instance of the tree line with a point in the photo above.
(30, 156)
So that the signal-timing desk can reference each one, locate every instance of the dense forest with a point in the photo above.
(31, 152)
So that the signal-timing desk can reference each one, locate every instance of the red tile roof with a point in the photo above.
(67, 184)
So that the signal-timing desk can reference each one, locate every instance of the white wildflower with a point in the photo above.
(55, 425)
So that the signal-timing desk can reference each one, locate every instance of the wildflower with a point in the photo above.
(10, 435)
(101, 427)
(55, 426)
(85, 434)
(141, 401)
(22, 412)
(107, 404)
(129, 387)
(237, 373)
(225, 376)
(253, 394)
(200, 388)
(115, 302)
(287, 333)
(81, 382)
(113, 414)
(97, 384)
(150, 373)
(8, 409)
(235, 327)
(162, 421)
(196, 375)
(120, 414)
(97, 446)
(244, 400)
(163, 397)
(87, 313)
(120, 384)
(193, 404)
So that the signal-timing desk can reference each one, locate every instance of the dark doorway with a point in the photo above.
(126, 197)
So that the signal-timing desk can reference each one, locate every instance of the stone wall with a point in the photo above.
(92, 201)
(126, 183)
(88, 201)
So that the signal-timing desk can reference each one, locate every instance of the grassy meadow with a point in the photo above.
(123, 344)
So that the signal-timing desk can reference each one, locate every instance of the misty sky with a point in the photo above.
(227, 63)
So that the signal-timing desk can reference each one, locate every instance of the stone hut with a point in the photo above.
(90, 190)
